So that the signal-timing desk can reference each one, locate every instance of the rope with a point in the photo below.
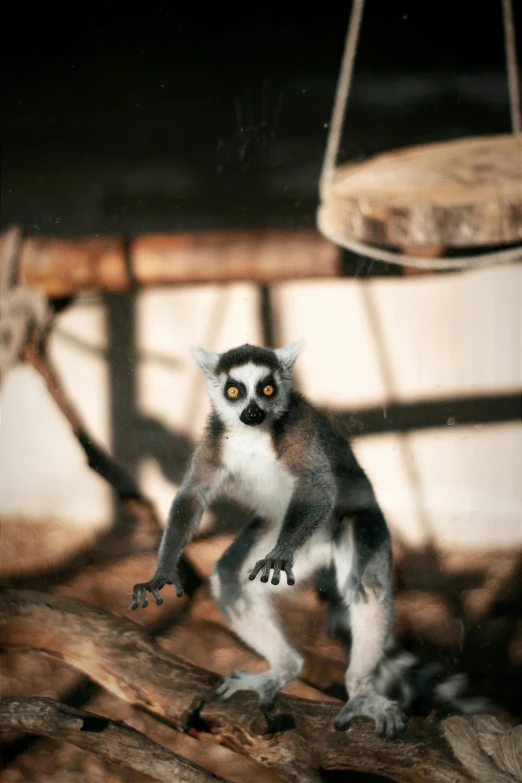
(488, 749)
(332, 150)
(511, 65)
(341, 98)
(419, 262)
(10, 260)
(24, 312)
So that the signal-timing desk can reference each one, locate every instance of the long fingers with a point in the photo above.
(290, 579)
(285, 566)
(177, 585)
(277, 573)
(139, 596)
(256, 569)
(265, 571)
(139, 593)
(157, 596)
(277, 565)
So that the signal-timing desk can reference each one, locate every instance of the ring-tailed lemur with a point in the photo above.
(315, 512)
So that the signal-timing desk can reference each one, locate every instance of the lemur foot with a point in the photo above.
(388, 716)
(154, 585)
(274, 560)
(265, 685)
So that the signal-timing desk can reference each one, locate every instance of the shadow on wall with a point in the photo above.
(136, 436)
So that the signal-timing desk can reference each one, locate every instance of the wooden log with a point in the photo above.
(299, 737)
(461, 193)
(113, 741)
(61, 267)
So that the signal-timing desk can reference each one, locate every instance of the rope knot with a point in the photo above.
(490, 750)
(24, 312)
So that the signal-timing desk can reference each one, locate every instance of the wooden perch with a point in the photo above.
(451, 194)
(124, 659)
(60, 267)
(113, 741)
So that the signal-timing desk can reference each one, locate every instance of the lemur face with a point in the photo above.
(249, 386)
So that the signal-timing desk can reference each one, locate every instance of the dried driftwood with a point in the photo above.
(124, 659)
(113, 741)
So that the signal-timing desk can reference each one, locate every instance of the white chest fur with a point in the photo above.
(258, 478)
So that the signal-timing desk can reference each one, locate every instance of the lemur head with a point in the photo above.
(249, 386)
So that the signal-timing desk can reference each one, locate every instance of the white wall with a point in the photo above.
(367, 344)
(42, 468)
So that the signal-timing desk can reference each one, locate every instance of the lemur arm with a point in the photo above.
(312, 502)
(184, 517)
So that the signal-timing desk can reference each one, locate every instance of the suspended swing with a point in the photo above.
(425, 200)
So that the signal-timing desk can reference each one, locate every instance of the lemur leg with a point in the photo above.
(250, 610)
(366, 591)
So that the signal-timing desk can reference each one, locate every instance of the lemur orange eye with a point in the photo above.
(233, 392)
(268, 390)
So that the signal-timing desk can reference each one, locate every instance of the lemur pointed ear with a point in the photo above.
(206, 360)
(287, 356)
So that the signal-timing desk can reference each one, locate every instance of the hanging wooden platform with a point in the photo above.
(461, 193)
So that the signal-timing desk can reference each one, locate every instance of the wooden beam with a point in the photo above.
(61, 267)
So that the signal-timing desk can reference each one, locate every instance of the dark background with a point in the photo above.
(121, 117)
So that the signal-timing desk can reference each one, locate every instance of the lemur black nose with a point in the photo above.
(252, 415)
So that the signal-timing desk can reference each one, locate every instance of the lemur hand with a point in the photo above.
(154, 585)
(278, 561)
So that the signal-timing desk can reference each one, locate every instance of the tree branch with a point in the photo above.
(124, 659)
(98, 458)
(113, 741)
